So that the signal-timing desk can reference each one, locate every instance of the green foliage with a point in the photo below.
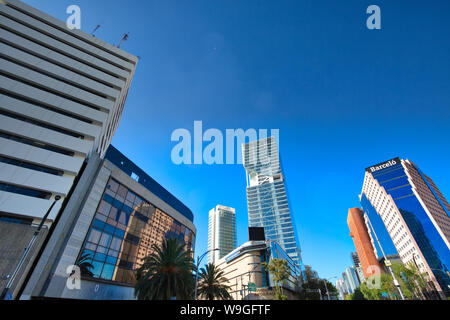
(84, 263)
(312, 285)
(166, 273)
(212, 284)
(280, 272)
(358, 295)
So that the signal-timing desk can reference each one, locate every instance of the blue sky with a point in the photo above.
(343, 97)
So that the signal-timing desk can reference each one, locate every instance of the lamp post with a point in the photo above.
(199, 259)
(27, 251)
(326, 288)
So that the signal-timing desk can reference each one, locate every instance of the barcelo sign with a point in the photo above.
(383, 165)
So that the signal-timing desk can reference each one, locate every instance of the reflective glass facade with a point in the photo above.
(122, 232)
(397, 184)
(267, 199)
(379, 228)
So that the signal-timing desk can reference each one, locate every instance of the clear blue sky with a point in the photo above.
(343, 97)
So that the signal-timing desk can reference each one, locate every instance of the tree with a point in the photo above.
(85, 265)
(358, 295)
(166, 273)
(212, 284)
(280, 272)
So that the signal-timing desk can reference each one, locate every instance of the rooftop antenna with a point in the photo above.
(125, 38)
(96, 28)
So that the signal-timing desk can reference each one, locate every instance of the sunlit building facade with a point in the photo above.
(221, 232)
(62, 94)
(267, 198)
(117, 221)
(415, 215)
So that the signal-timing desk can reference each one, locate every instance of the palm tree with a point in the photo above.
(84, 263)
(212, 283)
(166, 273)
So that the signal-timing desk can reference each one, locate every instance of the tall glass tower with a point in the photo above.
(267, 199)
(221, 232)
(415, 215)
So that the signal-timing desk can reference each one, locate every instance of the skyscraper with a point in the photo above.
(352, 278)
(357, 265)
(362, 241)
(267, 199)
(221, 232)
(416, 216)
(62, 93)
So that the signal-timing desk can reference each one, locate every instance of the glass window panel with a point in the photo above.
(130, 196)
(116, 243)
(111, 222)
(94, 237)
(113, 213)
(104, 207)
(100, 257)
(97, 269)
(100, 217)
(111, 260)
(105, 240)
(108, 228)
(91, 246)
(119, 232)
(123, 218)
(122, 192)
(101, 249)
(108, 271)
(113, 253)
(113, 185)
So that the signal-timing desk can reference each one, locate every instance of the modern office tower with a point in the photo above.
(363, 243)
(346, 281)
(342, 290)
(416, 216)
(358, 267)
(352, 278)
(120, 213)
(267, 199)
(221, 232)
(62, 93)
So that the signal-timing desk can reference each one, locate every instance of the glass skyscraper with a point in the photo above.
(267, 199)
(415, 215)
(221, 232)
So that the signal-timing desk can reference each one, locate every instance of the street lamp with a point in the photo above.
(27, 251)
(199, 259)
(326, 288)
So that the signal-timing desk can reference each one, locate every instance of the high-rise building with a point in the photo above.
(363, 242)
(221, 232)
(352, 278)
(357, 265)
(346, 282)
(267, 198)
(62, 93)
(107, 229)
(342, 290)
(415, 215)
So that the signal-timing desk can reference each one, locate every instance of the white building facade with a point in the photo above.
(62, 93)
(221, 232)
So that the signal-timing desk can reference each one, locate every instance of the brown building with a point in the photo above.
(362, 241)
